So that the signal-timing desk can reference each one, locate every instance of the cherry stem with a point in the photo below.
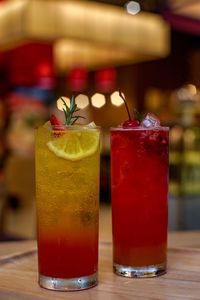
(126, 105)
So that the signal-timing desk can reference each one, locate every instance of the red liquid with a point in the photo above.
(139, 163)
(68, 255)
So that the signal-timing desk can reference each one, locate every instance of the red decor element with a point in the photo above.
(182, 23)
(45, 69)
(106, 80)
(2, 58)
(77, 79)
(21, 62)
(45, 76)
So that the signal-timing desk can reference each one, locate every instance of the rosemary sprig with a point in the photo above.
(69, 111)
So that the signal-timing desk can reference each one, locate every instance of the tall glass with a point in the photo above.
(67, 198)
(139, 165)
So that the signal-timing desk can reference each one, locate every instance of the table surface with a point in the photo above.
(18, 274)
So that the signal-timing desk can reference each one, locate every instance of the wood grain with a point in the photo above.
(11, 248)
(18, 276)
(184, 238)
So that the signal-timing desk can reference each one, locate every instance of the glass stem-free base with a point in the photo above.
(71, 284)
(140, 272)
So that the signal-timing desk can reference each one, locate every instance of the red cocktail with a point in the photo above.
(139, 163)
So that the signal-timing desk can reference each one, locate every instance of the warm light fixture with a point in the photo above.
(69, 53)
(82, 101)
(60, 104)
(116, 99)
(132, 7)
(192, 88)
(187, 92)
(125, 39)
(98, 100)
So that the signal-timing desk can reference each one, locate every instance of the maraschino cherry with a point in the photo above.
(130, 123)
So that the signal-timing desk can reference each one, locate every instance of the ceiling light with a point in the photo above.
(82, 101)
(116, 99)
(60, 103)
(124, 39)
(98, 100)
(133, 7)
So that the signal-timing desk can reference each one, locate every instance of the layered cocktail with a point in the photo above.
(67, 194)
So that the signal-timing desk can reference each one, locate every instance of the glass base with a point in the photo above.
(71, 284)
(140, 272)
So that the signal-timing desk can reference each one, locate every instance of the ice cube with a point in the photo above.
(150, 121)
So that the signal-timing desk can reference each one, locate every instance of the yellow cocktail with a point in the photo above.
(67, 192)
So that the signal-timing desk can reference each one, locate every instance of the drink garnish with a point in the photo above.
(72, 144)
(56, 123)
(70, 118)
(56, 126)
(138, 116)
(75, 144)
(126, 105)
(131, 122)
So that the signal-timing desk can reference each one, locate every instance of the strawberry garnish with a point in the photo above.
(56, 125)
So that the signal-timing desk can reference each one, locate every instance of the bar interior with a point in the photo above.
(149, 50)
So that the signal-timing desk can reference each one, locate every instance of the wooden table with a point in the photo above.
(18, 274)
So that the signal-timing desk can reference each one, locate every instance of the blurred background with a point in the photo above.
(91, 49)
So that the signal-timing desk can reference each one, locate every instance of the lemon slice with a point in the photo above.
(75, 144)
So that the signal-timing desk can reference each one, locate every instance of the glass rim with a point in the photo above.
(71, 127)
(156, 128)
